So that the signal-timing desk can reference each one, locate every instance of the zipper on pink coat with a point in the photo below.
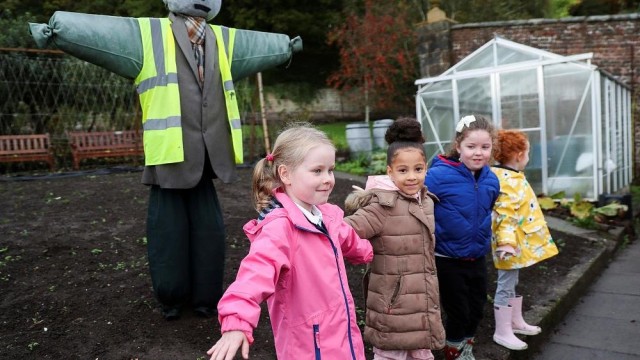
(324, 231)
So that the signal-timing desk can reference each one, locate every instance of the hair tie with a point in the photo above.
(269, 157)
(465, 121)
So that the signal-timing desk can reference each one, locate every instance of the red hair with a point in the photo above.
(509, 144)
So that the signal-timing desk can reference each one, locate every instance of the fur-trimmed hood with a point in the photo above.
(358, 198)
(379, 185)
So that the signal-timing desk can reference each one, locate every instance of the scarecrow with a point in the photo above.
(184, 70)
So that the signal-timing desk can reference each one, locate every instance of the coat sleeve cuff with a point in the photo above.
(231, 323)
(506, 248)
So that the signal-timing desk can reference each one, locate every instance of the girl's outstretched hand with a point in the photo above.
(227, 346)
(503, 251)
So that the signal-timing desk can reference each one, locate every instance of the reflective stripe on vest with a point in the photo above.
(227, 35)
(157, 86)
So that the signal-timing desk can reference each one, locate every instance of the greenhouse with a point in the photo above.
(577, 117)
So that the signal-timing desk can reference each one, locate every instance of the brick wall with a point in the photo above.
(614, 41)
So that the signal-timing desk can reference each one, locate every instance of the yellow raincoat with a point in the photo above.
(518, 221)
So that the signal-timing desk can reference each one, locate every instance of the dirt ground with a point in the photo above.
(74, 280)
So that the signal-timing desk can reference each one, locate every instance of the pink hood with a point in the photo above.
(382, 182)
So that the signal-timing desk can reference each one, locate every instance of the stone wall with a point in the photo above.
(614, 41)
(328, 105)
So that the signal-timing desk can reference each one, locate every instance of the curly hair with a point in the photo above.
(404, 133)
(509, 144)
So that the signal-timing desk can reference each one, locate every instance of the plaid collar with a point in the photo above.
(195, 29)
(273, 204)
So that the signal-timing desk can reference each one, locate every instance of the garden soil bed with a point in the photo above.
(74, 280)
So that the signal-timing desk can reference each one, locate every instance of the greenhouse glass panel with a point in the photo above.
(483, 59)
(508, 55)
(436, 107)
(432, 149)
(474, 96)
(617, 154)
(605, 143)
(519, 99)
(569, 129)
(615, 162)
(533, 171)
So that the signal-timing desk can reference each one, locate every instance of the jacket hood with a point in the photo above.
(380, 186)
(357, 199)
(383, 182)
(291, 211)
(442, 160)
(362, 197)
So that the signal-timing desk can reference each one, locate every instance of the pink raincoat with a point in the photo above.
(300, 272)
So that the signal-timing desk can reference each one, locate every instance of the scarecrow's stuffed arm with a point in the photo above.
(114, 43)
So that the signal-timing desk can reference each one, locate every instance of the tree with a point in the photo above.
(144, 8)
(601, 7)
(102, 7)
(467, 11)
(15, 30)
(559, 8)
(42, 10)
(309, 19)
(18, 7)
(377, 55)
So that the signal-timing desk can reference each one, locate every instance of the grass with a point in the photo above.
(336, 131)
(375, 163)
(635, 193)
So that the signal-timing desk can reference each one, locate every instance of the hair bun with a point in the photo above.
(406, 130)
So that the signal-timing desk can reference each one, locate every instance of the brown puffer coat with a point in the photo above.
(403, 300)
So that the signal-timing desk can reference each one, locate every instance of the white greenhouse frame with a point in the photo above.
(577, 117)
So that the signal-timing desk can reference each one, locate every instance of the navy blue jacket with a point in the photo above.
(463, 214)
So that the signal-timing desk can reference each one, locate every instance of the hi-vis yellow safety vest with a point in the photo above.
(157, 86)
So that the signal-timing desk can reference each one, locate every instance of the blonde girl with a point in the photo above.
(295, 262)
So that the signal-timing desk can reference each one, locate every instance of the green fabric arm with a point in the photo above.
(110, 42)
(256, 51)
(114, 43)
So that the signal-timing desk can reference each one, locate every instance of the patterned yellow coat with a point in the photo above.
(518, 221)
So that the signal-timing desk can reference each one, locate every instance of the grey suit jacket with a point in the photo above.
(205, 127)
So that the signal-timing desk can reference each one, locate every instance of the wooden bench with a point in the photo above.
(89, 145)
(21, 148)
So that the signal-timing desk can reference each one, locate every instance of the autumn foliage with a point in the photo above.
(378, 61)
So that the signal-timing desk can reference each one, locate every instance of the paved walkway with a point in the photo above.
(605, 324)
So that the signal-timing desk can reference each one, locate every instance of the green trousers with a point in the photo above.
(186, 245)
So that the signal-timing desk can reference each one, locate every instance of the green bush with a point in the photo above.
(371, 164)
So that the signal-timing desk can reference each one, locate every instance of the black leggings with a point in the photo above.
(463, 294)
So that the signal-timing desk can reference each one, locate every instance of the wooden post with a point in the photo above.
(265, 130)
(367, 109)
